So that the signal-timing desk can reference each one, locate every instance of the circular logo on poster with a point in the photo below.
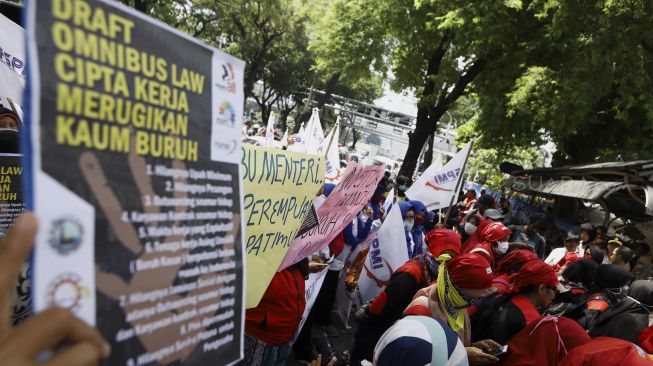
(66, 235)
(67, 292)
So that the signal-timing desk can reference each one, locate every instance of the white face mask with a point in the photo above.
(408, 224)
(503, 247)
(363, 216)
(470, 228)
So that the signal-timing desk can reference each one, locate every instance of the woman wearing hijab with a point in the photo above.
(414, 275)
(629, 316)
(544, 342)
(510, 264)
(9, 119)
(408, 215)
(461, 281)
(417, 233)
(502, 318)
(493, 242)
(376, 202)
(419, 341)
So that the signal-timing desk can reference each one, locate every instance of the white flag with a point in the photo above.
(333, 170)
(387, 253)
(269, 131)
(436, 186)
(284, 139)
(12, 67)
(314, 134)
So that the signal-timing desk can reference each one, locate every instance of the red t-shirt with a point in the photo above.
(276, 318)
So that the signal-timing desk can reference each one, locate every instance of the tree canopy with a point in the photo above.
(577, 73)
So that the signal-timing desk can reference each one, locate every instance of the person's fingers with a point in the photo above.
(80, 354)
(13, 253)
(332, 362)
(487, 359)
(53, 327)
(492, 344)
(318, 361)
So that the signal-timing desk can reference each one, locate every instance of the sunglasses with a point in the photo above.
(553, 288)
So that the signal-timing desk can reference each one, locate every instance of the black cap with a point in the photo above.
(493, 214)
(572, 236)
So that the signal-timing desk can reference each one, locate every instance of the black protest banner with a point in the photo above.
(11, 199)
(135, 140)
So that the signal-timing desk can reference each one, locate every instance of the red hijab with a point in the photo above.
(544, 342)
(440, 239)
(512, 259)
(474, 239)
(602, 351)
(534, 272)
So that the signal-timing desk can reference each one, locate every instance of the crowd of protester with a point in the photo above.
(479, 288)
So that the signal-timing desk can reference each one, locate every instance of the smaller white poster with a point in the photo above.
(333, 170)
(387, 253)
(312, 286)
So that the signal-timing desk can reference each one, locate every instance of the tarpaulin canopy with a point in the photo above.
(625, 188)
(582, 189)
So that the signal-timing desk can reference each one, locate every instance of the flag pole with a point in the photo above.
(460, 178)
(333, 129)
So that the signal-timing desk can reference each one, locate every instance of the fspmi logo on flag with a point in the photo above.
(437, 186)
(440, 179)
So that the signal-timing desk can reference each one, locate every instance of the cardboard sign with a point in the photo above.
(280, 187)
(337, 211)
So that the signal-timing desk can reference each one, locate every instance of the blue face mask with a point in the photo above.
(408, 224)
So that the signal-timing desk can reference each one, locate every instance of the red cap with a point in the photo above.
(513, 258)
(535, 272)
(470, 271)
(439, 240)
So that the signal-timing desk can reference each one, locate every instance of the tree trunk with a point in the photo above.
(354, 139)
(428, 154)
(282, 122)
(427, 120)
(265, 114)
(424, 110)
(416, 142)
